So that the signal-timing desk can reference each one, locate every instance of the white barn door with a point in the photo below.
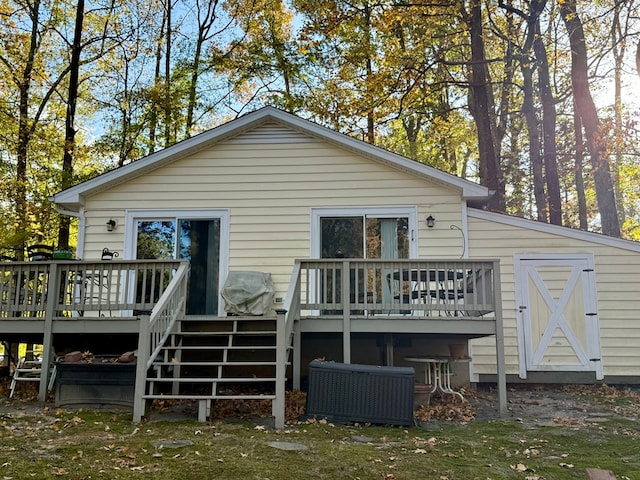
(557, 314)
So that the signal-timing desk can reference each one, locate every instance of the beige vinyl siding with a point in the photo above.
(617, 283)
(269, 189)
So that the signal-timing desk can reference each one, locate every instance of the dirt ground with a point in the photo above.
(564, 404)
(528, 404)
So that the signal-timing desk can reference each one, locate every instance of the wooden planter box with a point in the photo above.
(98, 384)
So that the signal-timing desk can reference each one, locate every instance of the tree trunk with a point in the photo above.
(154, 106)
(638, 58)
(579, 153)
(548, 129)
(371, 138)
(24, 135)
(167, 80)
(481, 93)
(70, 132)
(586, 109)
(618, 46)
(535, 147)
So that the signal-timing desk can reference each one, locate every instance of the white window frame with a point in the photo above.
(411, 212)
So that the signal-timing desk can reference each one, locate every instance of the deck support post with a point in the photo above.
(139, 403)
(278, 403)
(500, 362)
(47, 335)
(297, 355)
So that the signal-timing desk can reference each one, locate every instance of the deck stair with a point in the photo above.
(209, 358)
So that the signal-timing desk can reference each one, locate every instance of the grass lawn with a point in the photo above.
(47, 443)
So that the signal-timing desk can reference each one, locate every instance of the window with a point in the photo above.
(385, 233)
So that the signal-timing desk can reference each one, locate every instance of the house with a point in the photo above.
(370, 257)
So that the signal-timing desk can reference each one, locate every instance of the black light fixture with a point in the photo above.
(111, 225)
(431, 221)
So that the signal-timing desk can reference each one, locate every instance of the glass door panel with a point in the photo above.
(200, 244)
(195, 240)
(362, 236)
(156, 239)
(342, 237)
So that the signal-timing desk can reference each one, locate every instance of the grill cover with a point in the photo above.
(248, 293)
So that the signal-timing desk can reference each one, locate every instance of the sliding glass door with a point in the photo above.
(384, 233)
(198, 240)
(364, 237)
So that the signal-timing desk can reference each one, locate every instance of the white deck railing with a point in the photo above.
(68, 289)
(358, 287)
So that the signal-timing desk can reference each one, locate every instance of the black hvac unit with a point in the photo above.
(344, 393)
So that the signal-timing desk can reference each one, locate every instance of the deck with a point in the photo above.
(42, 300)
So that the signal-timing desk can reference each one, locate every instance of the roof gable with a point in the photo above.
(567, 232)
(264, 125)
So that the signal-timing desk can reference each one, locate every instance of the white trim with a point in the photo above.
(465, 233)
(589, 295)
(131, 216)
(411, 212)
(82, 226)
(591, 237)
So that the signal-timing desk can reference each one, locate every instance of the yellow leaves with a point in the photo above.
(74, 422)
(520, 467)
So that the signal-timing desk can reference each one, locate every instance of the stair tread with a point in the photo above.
(211, 379)
(226, 332)
(208, 397)
(215, 363)
(219, 347)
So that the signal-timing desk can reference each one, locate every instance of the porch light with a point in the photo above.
(111, 225)
(431, 221)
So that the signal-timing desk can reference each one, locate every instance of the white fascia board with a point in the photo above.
(582, 235)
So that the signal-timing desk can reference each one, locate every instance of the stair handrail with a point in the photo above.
(171, 305)
(292, 301)
(155, 328)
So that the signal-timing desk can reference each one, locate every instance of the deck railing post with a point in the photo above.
(346, 311)
(139, 402)
(52, 291)
(279, 402)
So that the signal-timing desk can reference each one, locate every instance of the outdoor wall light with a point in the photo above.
(431, 221)
(111, 225)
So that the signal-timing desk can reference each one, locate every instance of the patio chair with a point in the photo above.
(39, 252)
(98, 284)
(479, 289)
(29, 369)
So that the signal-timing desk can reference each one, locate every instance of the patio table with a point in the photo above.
(437, 373)
(422, 281)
